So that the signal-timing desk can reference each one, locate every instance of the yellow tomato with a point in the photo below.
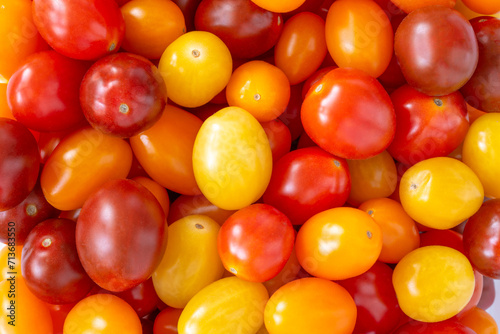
(196, 67)
(190, 261)
(80, 164)
(227, 306)
(279, 6)
(433, 283)
(232, 159)
(440, 192)
(481, 152)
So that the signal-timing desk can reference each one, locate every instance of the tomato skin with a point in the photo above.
(142, 297)
(479, 321)
(359, 35)
(441, 58)
(486, 7)
(280, 138)
(365, 131)
(442, 327)
(166, 321)
(160, 193)
(123, 94)
(98, 24)
(427, 127)
(307, 181)
(131, 221)
(80, 164)
(19, 163)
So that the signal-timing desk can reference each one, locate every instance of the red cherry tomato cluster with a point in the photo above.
(249, 166)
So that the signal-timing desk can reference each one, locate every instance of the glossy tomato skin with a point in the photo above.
(427, 127)
(442, 327)
(349, 114)
(120, 235)
(19, 163)
(307, 181)
(50, 263)
(98, 24)
(436, 49)
(166, 321)
(142, 297)
(123, 94)
(43, 93)
(481, 90)
(481, 242)
(247, 29)
(256, 242)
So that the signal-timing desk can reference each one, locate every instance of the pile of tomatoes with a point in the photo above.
(249, 166)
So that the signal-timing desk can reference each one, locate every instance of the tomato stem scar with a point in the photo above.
(199, 226)
(46, 242)
(31, 210)
(124, 108)
(195, 53)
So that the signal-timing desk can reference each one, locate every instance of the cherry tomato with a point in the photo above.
(479, 321)
(349, 114)
(80, 29)
(190, 262)
(166, 321)
(239, 306)
(102, 314)
(433, 283)
(488, 296)
(157, 190)
(442, 327)
(58, 313)
(411, 5)
(446, 238)
(315, 77)
(307, 181)
(487, 7)
(232, 159)
(188, 8)
(120, 235)
(48, 141)
(440, 58)
(279, 6)
(280, 138)
(440, 192)
(289, 273)
(310, 305)
(338, 243)
(197, 205)
(142, 297)
(470, 14)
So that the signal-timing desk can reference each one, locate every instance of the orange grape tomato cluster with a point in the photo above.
(249, 166)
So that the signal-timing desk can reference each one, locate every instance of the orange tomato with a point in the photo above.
(301, 47)
(474, 113)
(197, 205)
(165, 150)
(260, 88)
(161, 21)
(411, 5)
(279, 6)
(4, 106)
(399, 232)
(482, 7)
(479, 321)
(338, 243)
(8, 259)
(310, 305)
(359, 35)
(157, 190)
(80, 164)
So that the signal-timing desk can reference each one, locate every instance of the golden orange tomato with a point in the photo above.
(279, 6)
(479, 321)
(4, 106)
(480, 7)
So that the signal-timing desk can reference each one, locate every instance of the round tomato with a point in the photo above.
(479, 321)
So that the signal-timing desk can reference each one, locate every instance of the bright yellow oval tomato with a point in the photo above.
(433, 283)
(227, 306)
(80, 164)
(196, 67)
(190, 261)
(371, 178)
(310, 305)
(279, 6)
(301, 47)
(232, 159)
(440, 192)
(102, 314)
(359, 35)
(161, 21)
(165, 150)
(260, 88)
(475, 8)
(481, 152)
(338, 243)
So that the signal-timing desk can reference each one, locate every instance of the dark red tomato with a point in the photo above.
(58, 313)
(481, 91)
(280, 138)
(50, 263)
(446, 238)
(256, 242)
(436, 49)
(188, 8)
(43, 93)
(488, 295)
(481, 242)
(166, 321)
(142, 298)
(123, 94)
(247, 29)
(444, 327)
(48, 141)
(19, 163)
(426, 126)
(121, 235)
(147, 326)
(375, 298)
(307, 181)
(23, 217)
(349, 114)
(291, 116)
(80, 29)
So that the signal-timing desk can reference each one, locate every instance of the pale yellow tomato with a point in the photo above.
(190, 261)
(433, 283)
(481, 152)
(196, 67)
(232, 159)
(440, 192)
(227, 306)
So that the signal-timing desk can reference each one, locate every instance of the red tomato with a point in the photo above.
(349, 114)
(280, 138)
(256, 242)
(166, 321)
(442, 327)
(142, 297)
(291, 115)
